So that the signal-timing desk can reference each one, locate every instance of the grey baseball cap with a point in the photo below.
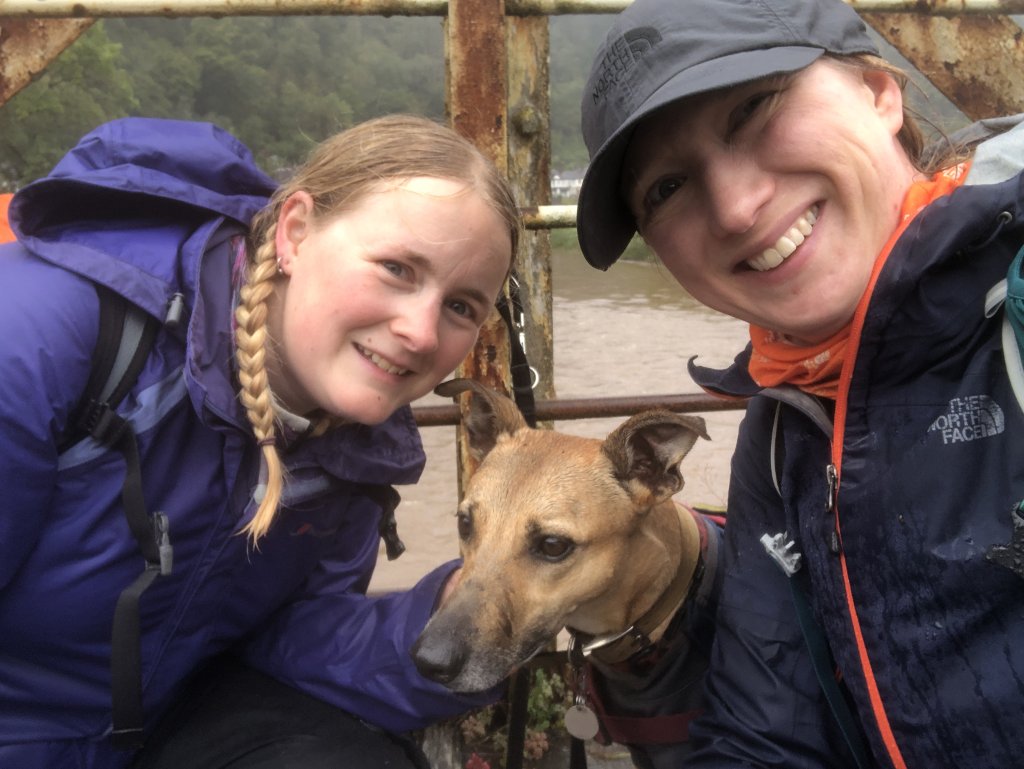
(660, 51)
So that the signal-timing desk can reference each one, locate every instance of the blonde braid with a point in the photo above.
(251, 342)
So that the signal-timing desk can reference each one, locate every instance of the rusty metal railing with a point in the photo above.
(39, 9)
(496, 54)
(562, 409)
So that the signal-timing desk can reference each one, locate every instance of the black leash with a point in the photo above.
(511, 308)
(814, 636)
(523, 382)
(781, 550)
(523, 377)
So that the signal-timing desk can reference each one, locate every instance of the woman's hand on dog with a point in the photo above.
(449, 587)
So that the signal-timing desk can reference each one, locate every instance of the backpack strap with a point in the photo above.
(1012, 342)
(780, 549)
(1009, 294)
(125, 338)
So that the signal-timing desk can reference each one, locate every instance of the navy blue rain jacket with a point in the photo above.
(151, 208)
(911, 571)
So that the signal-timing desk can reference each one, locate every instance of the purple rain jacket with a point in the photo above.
(148, 207)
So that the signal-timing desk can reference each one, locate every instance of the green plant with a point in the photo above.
(485, 731)
(547, 701)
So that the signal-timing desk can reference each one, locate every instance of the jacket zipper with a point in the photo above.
(833, 473)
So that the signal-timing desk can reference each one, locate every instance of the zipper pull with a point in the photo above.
(175, 311)
(832, 477)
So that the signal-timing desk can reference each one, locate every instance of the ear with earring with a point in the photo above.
(280, 271)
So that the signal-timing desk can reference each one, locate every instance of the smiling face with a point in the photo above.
(771, 200)
(386, 299)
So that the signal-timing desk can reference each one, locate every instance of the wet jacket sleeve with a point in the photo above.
(765, 707)
(351, 650)
(49, 318)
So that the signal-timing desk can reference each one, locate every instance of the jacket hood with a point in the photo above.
(139, 180)
(198, 164)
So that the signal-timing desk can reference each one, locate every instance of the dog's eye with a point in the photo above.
(553, 548)
(465, 525)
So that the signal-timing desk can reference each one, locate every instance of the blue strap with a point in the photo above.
(1015, 298)
(821, 660)
(781, 550)
(1013, 326)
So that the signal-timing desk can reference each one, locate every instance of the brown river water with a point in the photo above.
(629, 331)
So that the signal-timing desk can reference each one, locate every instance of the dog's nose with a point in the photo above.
(438, 659)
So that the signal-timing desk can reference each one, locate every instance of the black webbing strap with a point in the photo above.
(577, 754)
(126, 335)
(388, 498)
(108, 339)
(518, 699)
(814, 636)
(126, 664)
(821, 660)
(511, 309)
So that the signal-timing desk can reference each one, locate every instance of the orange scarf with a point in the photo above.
(815, 368)
(5, 229)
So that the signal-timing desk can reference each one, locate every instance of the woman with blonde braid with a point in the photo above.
(270, 418)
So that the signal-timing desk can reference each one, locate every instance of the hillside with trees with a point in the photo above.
(278, 83)
(281, 83)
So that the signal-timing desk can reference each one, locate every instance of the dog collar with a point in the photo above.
(613, 648)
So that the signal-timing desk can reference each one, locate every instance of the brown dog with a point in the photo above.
(559, 531)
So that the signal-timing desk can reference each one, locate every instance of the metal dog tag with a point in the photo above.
(581, 722)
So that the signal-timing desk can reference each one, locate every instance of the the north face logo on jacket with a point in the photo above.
(968, 419)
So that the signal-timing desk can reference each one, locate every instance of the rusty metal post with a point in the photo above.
(27, 46)
(477, 103)
(974, 60)
(530, 173)
(476, 91)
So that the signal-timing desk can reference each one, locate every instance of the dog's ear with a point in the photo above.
(490, 414)
(646, 451)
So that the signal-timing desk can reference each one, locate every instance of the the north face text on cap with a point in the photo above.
(622, 56)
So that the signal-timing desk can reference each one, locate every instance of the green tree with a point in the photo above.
(279, 83)
(160, 64)
(283, 83)
(87, 85)
(574, 41)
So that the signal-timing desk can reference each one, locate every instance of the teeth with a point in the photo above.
(766, 261)
(382, 364)
(787, 244)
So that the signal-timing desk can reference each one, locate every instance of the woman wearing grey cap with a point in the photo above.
(764, 152)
